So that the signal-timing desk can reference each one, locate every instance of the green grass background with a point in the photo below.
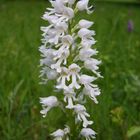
(119, 104)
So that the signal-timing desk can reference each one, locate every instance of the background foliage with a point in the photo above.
(117, 116)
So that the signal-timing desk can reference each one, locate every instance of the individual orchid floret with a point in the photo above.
(45, 29)
(85, 23)
(87, 80)
(69, 97)
(83, 5)
(62, 79)
(67, 40)
(52, 19)
(88, 133)
(92, 64)
(47, 56)
(80, 110)
(90, 89)
(53, 35)
(47, 104)
(85, 33)
(68, 13)
(86, 53)
(87, 43)
(74, 69)
(92, 92)
(48, 73)
(60, 9)
(58, 6)
(58, 134)
(60, 56)
(61, 134)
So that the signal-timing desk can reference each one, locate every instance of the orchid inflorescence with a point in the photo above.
(67, 57)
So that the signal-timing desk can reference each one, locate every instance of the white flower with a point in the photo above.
(52, 74)
(62, 53)
(87, 43)
(86, 80)
(62, 79)
(86, 53)
(48, 73)
(69, 97)
(68, 13)
(90, 89)
(53, 35)
(74, 69)
(47, 61)
(85, 23)
(58, 6)
(61, 56)
(67, 40)
(45, 29)
(83, 5)
(66, 129)
(66, 74)
(92, 92)
(85, 33)
(67, 53)
(47, 55)
(52, 19)
(80, 110)
(47, 104)
(92, 64)
(65, 13)
(88, 133)
(60, 134)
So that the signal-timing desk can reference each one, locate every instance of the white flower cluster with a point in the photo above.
(67, 55)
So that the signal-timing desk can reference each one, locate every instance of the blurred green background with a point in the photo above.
(116, 117)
